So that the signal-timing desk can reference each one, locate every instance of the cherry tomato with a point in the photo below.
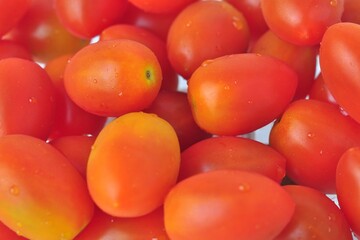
(312, 135)
(232, 153)
(253, 14)
(301, 58)
(301, 22)
(227, 204)
(8, 234)
(161, 6)
(174, 108)
(11, 13)
(339, 65)
(85, 18)
(13, 49)
(42, 195)
(41, 32)
(27, 97)
(70, 119)
(149, 39)
(230, 96)
(104, 226)
(205, 30)
(133, 164)
(351, 11)
(347, 186)
(110, 78)
(76, 149)
(316, 217)
(319, 91)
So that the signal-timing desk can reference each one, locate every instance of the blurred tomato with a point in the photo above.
(11, 12)
(10, 48)
(319, 91)
(351, 11)
(161, 6)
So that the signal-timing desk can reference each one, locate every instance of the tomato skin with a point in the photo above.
(8, 234)
(301, 22)
(316, 216)
(225, 97)
(76, 149)
(226, 204)
(149, 39)
(347, 186)
(339, 65)
(301, 58)
(41, 32)
(26, 87)
(351, 11)
(161, 6)
(239, 153)
(111, 78)
(42, 195)
(133, 164)
(104, 226)
(13, 49)
(86, 19)
(174, 108)
(70, 119)
(319, 91)
(312, 135)
(191, 41)
(11, 13)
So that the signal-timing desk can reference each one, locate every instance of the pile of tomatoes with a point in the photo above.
(99, 141)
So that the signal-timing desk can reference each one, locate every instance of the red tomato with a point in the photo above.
(76, 149)
(26, 98)
(232, 153)
(315, 217)
(85, 18)
(104, 226)
(70, 119)
(13, 49)
(154, 22)
(174, 108)
(11, 13)
(339, 63)
(253, 14)
(42, 195)
(312, 135)
(230, 96)
(133, 164)
(113, 77)
(348, 185)
(351, 11)
(205, 30)
(227, 204)
(161, 6)
(149, 39)
(8, 234)
(301, 58)
(319, 91)
(301, 22)
(41, 32)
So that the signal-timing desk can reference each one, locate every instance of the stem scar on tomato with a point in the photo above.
(150, 76)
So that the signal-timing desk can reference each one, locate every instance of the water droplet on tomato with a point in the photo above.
(188, 24)
(32, 100)
(14, 190)
(237, 23)
(95, 80)
(120, 94)
(207, 62)
(244, 187)
(333, 3)
(226, 87)
(310, 135)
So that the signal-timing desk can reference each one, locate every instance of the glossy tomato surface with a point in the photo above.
(230, 96)
(114, 77)
(339, 63)
(312, 135)
(348, 185)
(133, 164)
(225, 152)
(227, 204)
(42, 195)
